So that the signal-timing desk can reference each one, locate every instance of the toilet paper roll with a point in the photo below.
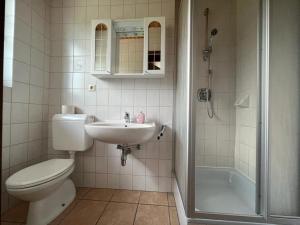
(67, 109)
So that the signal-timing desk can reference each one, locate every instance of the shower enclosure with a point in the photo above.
(237, 111)
(225, 146)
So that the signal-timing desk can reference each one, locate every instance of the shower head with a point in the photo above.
(214, 32)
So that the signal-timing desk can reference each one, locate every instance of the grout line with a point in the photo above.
(139, 197)
(125, 203)
(152, 204)
(114, 192)
(177, 217)
(102, 213)
(82, 197)
(115, 201)
(94, 200)
(169, 215)
(67, 213)
(171, 199)
(137, 207)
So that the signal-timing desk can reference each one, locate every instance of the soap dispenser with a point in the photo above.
(140, 118)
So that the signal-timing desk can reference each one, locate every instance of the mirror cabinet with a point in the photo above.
(132, 48)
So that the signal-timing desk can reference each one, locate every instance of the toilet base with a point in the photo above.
(47, 209)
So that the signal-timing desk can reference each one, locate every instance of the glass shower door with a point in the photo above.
(226, 156)
(284, 112)
(225, 77)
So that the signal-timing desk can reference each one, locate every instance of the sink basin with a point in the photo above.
(118, 132)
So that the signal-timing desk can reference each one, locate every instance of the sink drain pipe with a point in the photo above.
(126, 149)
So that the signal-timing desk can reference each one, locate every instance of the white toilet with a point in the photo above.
(47, 185)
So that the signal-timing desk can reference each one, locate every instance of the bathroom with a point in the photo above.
(158, 112)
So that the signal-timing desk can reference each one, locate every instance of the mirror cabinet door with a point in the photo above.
(101, 58)
(154, 46)
(100, 47)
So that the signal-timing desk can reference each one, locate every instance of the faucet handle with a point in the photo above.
(127, 117)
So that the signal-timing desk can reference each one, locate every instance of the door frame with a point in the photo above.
(2, 22)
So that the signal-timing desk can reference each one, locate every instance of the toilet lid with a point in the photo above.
(39, 173)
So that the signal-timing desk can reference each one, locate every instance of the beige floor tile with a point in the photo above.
(16, 214)
(171, 199)
(85, 213)
(126, 196)
(61, 216)
(173, 216)
(81, 192)
(99, 194)
(122, 210)
(118, 214)
(154, 198)
(152, 215)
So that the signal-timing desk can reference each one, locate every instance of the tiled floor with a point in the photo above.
(109, 207)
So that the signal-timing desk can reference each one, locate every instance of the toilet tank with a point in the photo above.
(68, 132)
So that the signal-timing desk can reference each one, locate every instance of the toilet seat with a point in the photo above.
(40, 173)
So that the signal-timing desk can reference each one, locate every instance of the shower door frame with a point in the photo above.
(262, 133)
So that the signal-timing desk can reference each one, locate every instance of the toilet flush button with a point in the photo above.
(92, 87)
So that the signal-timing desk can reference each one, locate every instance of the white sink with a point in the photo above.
(118, 132)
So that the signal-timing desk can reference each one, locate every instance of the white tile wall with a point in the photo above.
(26, 99)
(246, 84)
(149, 168)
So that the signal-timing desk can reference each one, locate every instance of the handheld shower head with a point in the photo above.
(214, 32)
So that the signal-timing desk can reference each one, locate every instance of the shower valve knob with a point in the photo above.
(204, 94)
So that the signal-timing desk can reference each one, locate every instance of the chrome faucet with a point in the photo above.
(127, 117)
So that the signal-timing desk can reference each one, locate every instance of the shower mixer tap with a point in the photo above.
(204, 95)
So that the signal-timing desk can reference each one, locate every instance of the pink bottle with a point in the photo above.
(140, 118)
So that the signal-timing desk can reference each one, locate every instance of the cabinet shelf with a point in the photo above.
(128, 75)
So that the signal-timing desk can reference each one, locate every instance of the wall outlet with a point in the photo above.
(92, 87)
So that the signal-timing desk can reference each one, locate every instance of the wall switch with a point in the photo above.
(92, 87)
